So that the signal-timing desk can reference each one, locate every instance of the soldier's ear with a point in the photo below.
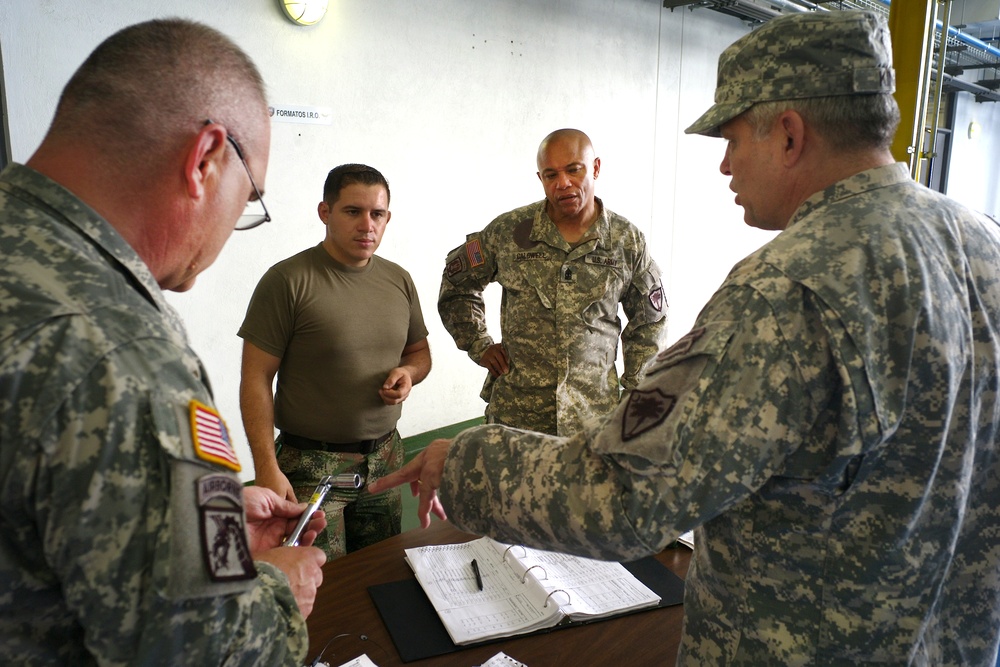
(793, 133)
(204, 159)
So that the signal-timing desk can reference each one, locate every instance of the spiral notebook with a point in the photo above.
(523, 590)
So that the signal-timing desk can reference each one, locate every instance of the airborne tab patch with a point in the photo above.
(211, 437)
(224, 545)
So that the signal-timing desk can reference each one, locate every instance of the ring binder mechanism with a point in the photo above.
(524, 579)
(508, 549)
(517, 591)
(558, 590)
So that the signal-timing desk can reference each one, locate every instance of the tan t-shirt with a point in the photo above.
(338, 331)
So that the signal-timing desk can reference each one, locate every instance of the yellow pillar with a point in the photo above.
(911, 23)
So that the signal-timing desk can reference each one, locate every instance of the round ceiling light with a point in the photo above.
(304, 12)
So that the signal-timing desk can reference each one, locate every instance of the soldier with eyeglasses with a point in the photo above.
(127, 536)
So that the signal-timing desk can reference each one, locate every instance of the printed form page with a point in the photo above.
(582, 586)
(504, 607)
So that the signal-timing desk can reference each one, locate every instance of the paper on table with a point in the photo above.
(361, 661)
(501, 659)
(589, 588)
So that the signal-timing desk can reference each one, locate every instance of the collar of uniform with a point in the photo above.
(63, 204)
(549, 233)
(601, 229)
(863, 181)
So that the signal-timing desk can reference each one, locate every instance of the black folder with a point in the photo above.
(418, 633)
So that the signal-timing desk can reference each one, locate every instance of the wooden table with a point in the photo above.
(346, 621)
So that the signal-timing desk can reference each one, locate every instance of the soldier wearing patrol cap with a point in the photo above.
(829, 427)
(565, 263)
(127, 538)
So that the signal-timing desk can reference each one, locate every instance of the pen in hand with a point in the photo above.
(346, 481)
(479, 577)
(319, 494)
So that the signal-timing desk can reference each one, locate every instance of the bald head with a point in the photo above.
(567, 137)
(567, 169)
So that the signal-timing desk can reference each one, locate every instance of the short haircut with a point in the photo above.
(349, 174)
(153, 84)
(846, 122)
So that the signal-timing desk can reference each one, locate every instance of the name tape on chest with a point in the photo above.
(211, 437)
(602, 260)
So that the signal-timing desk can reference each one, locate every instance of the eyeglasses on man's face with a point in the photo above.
(249, 219)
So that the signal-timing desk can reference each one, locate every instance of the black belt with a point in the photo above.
(364, 447)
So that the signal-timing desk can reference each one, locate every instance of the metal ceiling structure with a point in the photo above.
(927, 69)
(972, 61)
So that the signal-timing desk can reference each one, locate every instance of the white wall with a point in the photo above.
(449, 99)
(973, 168)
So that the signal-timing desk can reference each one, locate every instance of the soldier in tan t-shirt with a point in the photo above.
(343, 331)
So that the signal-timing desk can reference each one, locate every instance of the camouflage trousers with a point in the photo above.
(355, 519)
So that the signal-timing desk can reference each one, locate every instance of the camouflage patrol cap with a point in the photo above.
(797, 56)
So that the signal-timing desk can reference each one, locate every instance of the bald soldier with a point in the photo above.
(127, 536)
(565, 263)
(830, 425)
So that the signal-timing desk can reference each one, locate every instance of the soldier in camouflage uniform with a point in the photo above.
(565, 263)
(125, 527)
(829, 427)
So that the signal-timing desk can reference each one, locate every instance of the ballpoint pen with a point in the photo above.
(479, 577)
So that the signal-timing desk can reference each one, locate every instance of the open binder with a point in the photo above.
(524, 591)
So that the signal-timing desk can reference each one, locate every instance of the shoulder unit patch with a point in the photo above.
(223, 531)
(645, 410)
(455, 266)
(656, 298)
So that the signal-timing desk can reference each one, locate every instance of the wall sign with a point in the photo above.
(294, 114)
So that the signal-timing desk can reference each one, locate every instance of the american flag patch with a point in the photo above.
(211, 437)
(475, 253)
